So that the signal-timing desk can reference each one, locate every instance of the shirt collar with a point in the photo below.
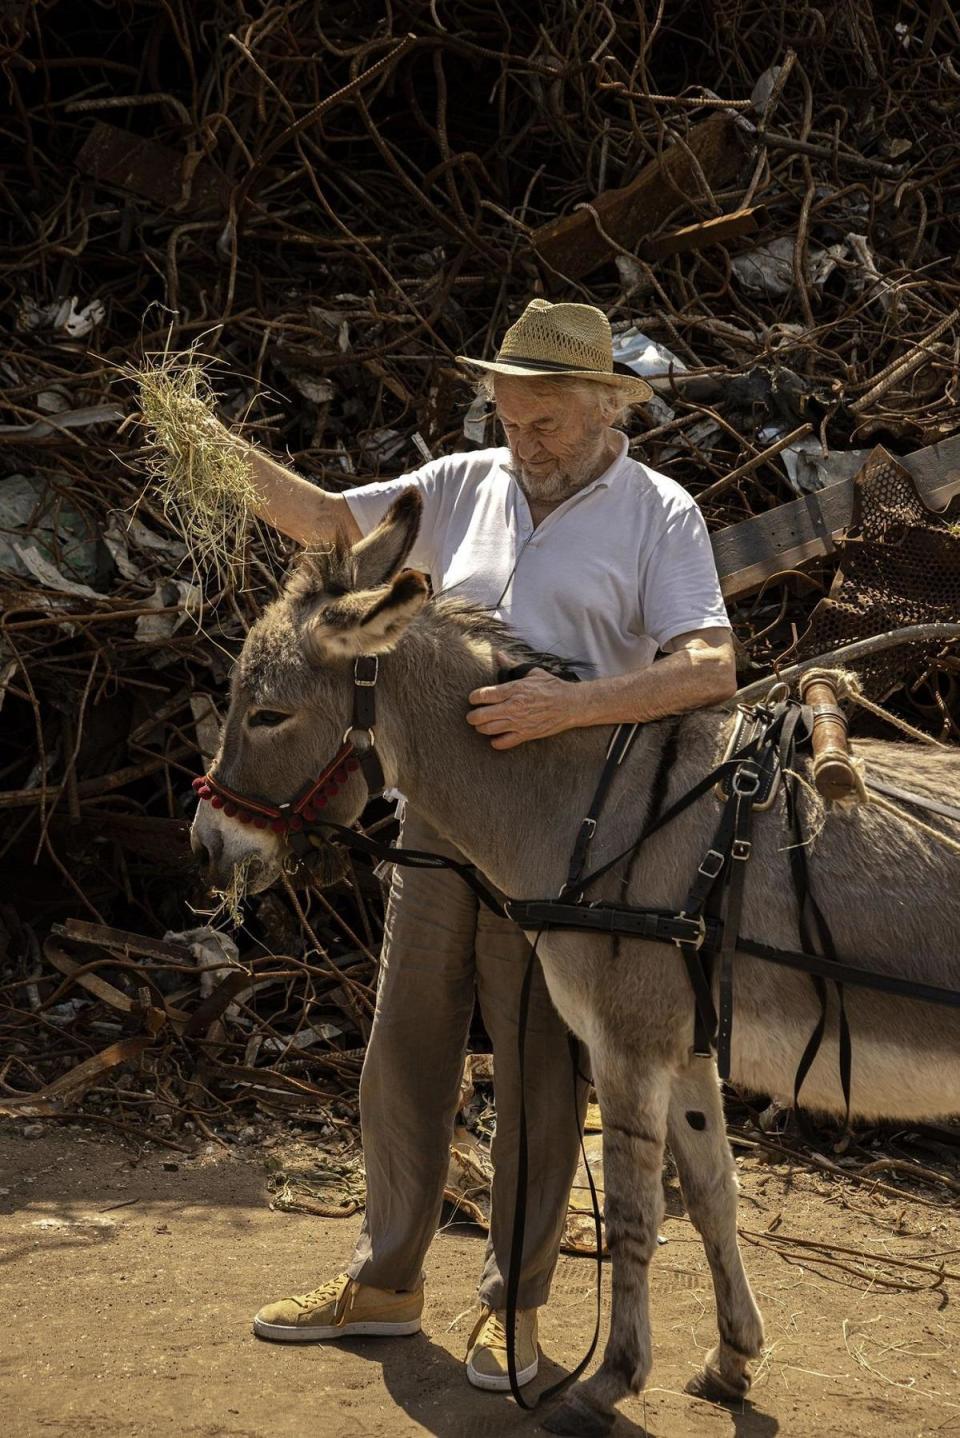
(608, 474)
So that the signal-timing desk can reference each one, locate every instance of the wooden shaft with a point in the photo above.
(833, 771)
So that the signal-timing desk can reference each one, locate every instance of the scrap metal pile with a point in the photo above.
(333, 202)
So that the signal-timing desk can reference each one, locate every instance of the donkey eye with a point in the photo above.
(267, 718)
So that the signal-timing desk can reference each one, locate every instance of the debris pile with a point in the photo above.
(333, 204)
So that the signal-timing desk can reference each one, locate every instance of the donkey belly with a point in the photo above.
(636, 997)
(905, 1055)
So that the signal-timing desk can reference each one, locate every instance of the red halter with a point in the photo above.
(281, 818)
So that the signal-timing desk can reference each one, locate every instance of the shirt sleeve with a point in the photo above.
(369, 503)
(679, 588)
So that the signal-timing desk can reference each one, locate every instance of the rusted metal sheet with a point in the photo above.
(717, 148)
(153, 171)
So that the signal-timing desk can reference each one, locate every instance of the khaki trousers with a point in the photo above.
(441, 949)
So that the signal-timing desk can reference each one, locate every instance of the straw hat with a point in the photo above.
(564, 339)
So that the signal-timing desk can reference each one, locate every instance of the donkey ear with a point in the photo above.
(385, 549)
(367, 623)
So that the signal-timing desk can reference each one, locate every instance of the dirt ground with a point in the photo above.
(129, 1278)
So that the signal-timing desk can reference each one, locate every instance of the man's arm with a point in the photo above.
(698, 670)
(300, 509)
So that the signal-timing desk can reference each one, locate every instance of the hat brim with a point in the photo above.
(635, 389)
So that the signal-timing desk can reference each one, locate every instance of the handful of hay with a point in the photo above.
(199, 468)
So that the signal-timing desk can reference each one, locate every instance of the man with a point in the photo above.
(590, 555)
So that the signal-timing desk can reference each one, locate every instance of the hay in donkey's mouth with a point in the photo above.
(200, 469)
(230, 900)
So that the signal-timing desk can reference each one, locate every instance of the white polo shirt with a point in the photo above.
(605, 580)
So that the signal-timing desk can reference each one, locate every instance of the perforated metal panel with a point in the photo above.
(900, 565)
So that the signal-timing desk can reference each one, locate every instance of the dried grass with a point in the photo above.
(230, 900)
(198, 467)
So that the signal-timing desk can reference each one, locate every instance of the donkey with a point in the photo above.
(888, 890)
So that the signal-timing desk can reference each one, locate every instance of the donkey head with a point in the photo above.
(291, 691)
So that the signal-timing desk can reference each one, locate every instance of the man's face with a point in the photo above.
(557, 438)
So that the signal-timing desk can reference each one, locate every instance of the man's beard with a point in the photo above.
(558, 484)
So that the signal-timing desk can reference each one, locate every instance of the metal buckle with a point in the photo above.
(710, 866)
(365, 683)
(741, 848)
(588, 827)
(371, 736)
(701, 924)
(745, 782)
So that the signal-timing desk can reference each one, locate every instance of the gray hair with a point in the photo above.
(609, 400)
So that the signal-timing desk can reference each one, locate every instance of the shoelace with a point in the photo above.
(493, 1333)
(318, 1296)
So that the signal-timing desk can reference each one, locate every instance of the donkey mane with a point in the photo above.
(478, 623)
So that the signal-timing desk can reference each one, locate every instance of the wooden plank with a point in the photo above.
(707, 232)
(574, 246)
(807, 528)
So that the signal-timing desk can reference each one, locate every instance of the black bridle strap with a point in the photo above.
(366, 672)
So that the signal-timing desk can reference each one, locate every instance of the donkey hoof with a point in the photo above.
(714, 1387)
(577, 1419)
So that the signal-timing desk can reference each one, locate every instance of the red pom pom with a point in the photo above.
(320, 801)
(216, 801)
(279, 826)
(353, 765)
(259, 822)
(204, 792)
(295, 821)
(243, 817)
(197, 783)
(230, 810)
(332, 790)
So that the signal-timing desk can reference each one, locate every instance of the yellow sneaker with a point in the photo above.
(341, 1308)
(487, 1349)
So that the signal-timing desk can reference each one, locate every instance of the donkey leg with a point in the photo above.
(698, 1142)
(634, 1105)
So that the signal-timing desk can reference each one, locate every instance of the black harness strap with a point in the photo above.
(838, 972)
(807, 909)
(520, 1208)
(781, 737)
(703, 786)
(745, 784)
(918, 801)
(417, 859)
(618, 749)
